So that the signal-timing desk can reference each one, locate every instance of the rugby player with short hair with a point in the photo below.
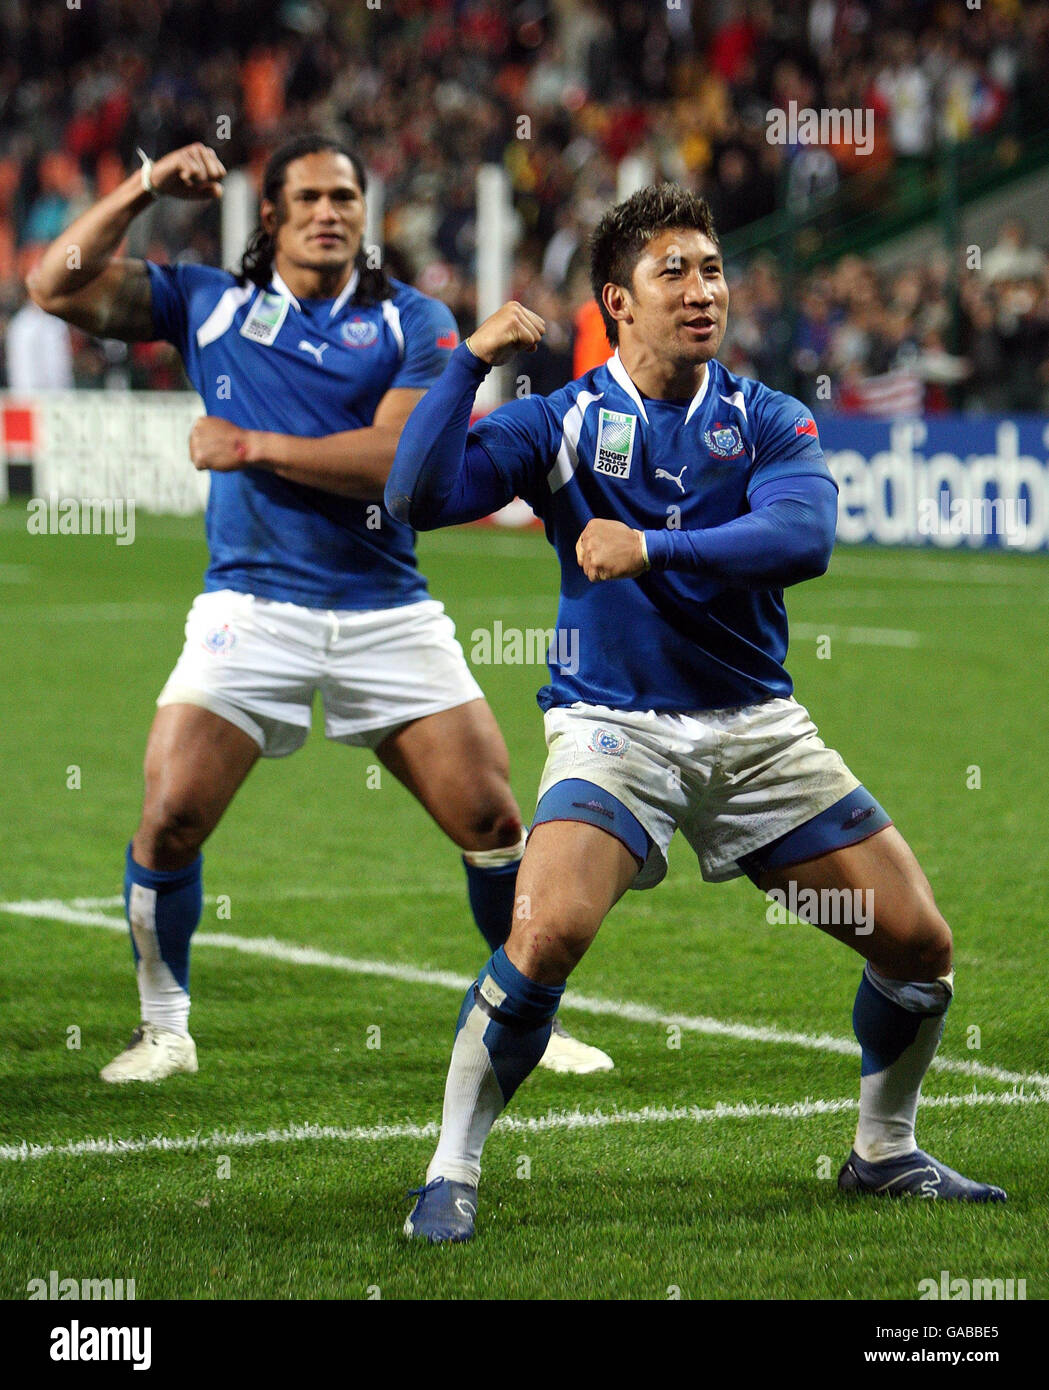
(308, 362)
(681, 500)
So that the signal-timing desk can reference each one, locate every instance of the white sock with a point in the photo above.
(472, 1103)
(889, 1098)
(163, 1000)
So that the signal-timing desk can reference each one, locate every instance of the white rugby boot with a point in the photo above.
(152, 1054)
(568, 1055)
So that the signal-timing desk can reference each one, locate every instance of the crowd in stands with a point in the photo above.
(559, 92)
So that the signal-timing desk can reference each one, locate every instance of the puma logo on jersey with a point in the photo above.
(315, 352)
(662, 473)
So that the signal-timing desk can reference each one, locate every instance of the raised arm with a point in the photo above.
(786, 537)
(80, 279)
(437, 479)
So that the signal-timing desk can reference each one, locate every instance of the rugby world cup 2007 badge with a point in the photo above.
(615, 443)
(267, 315)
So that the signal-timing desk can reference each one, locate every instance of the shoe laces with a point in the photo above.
(426, 1187)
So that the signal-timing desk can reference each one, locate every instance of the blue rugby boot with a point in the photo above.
(916, 1174)
(444, 1213)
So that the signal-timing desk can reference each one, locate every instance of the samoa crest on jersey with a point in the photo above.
(724, 441)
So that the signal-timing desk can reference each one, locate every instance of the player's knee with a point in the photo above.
(490, 820)
(171, 833)
(553, 941)
(928, 947)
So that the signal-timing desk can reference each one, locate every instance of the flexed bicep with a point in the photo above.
(117, 303)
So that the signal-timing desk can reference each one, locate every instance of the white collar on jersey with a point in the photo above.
(621, 377)
(337, 305)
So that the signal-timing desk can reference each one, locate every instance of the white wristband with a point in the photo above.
(147, 174)
(644, 551)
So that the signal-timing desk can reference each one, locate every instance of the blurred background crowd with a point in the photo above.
(426, 90)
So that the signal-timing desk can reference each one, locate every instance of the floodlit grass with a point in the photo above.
(737, 1206)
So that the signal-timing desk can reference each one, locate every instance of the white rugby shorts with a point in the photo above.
(732, 780)
(258, 663)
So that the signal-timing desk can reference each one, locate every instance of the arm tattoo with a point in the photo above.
(129, 314)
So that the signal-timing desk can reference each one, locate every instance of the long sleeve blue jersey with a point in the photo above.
(730, 488)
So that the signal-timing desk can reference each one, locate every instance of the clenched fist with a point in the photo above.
(195, 171)
(219, 446)
(510, 330)
(610, 550)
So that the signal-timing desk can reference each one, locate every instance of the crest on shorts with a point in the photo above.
(220, 640)
(609, 742)
(724, 441)
(359, 333)
(615, 443)
(267, 315)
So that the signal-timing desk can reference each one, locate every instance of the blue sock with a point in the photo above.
(503, 1030)
(491, 892)
(898, 1024)
(163, 910)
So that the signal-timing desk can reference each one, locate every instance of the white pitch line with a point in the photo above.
(553, 1120)
(859, 636)
(88, 612)
(917, 575)
(56, 910)
(356, 890)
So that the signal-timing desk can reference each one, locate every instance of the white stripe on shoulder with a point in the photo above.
(220, 318)
(736, 399)
(622, 379)
(347, 290)
(392, 315)
(700, 396)
(568, 454)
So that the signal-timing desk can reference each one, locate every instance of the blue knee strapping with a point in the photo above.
(519, 1024)
(576, 799)
(883, 1028)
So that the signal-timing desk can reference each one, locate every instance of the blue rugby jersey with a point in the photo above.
(669, 639)
(264, 360)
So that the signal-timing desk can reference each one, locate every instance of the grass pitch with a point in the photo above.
(703, 1166)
